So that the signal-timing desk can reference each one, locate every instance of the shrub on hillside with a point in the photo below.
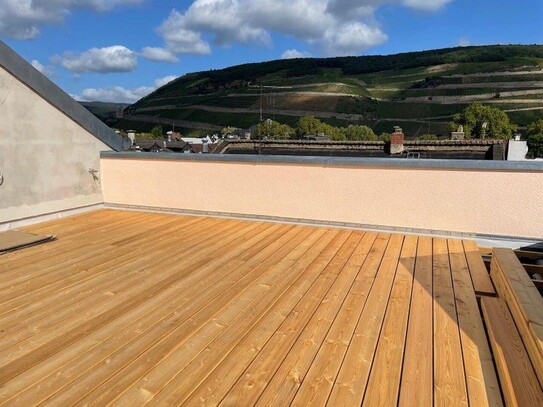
(535, 146)
(273, 129)
(535, 139)
(384, 137)
(427, 137)
(481, 121)
(359, 133)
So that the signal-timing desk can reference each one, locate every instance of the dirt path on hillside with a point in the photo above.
(500, 85)
(514, 101)
(179, 123)
(483, 74)
(523, 109)
(470, 98)
(292, 94)
(284, 112)
(307, 85)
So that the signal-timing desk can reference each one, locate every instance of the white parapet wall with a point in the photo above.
(478, 198)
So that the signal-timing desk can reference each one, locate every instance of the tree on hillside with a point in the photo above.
(273, 129)
(535, 139)
(484, 121)
(359, 133)
(157, 132)
(384, 136)
(310, 125)
(535, 128)
(228, 131)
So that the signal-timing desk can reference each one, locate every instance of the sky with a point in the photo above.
(121, 50)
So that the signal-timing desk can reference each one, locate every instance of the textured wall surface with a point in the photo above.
(494, 202)
(44, 156)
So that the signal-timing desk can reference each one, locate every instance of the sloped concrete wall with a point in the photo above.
(45, 156)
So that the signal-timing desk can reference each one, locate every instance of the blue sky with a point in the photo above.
(119, 50)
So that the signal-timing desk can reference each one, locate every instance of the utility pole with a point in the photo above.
(261, 121)
(261, 103)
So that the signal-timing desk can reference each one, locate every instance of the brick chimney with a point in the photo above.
(396, 141)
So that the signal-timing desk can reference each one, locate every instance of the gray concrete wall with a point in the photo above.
(45, 156)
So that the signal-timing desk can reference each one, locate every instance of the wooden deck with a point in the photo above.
(133, 309)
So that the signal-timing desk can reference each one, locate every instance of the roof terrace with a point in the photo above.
(131, 308)
(294, 281)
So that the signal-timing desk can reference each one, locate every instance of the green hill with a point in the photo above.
(419, 91)
(104, 110)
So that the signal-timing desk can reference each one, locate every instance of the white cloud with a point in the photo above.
(426, 5)
(463, 42)
(180, 39)
(22, 19)
(337, 27)
(118, 94)
(294, 53)
(46, 70)
(116, 58)
(353, 9)
(159, 54)
(165, 80)
(348, 38)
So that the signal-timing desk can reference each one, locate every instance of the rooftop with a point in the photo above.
(135, 308)
(241, 279)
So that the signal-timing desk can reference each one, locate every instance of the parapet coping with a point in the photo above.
(481, 165)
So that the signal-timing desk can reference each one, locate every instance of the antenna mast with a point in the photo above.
(261, 103)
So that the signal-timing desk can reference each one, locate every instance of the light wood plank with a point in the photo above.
(384, 381)
(250, 385)
(478, 272)
(193, 299)
(130, 288)
(317, 385)
(449, 375)
(518, 380)
(217, 384)
(482, 383)
(282, 388)
(190, 378)
(25, 354)
(31, 301)
(524, 301)
(417, 383)
(350, 384)
(216, 334)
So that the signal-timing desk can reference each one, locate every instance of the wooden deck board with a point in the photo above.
(417, 385)
(132, 308)
(449, 374)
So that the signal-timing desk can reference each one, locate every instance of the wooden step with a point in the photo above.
(524, 301)
(518, 379)
(478, 271)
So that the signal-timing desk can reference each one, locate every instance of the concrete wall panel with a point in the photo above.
(45, 156)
